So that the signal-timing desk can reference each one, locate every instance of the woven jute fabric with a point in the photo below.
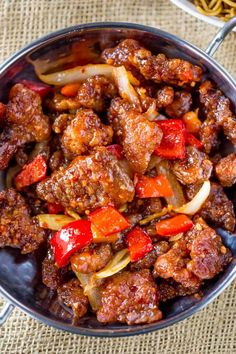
(212, 330)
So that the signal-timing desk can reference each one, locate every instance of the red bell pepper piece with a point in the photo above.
(150, 187)
(173, 141)
(192, 141)
(139, 244)
(34, 172)
(70, 239)
(108, 220)
(42, 89)
(54, 208)
(116, 150)
(173, 226)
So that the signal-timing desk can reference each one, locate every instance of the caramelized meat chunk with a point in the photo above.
(72, 295)
(149, 259)
(173, 264)
(216, 108)
(181, 104)
(60, 103)
(95, 92)
(25, 122)
(130, 297)
(91, 259)
(56, 160)
(195, 168)
(137, 135)
(17, 228)
(208, 254)
(61, 122)
(169, 289)
(157, 68)
(208, 134)
(217, 208)
(165, 97)
(226, 170)
(85, 132)
(89, 182)
(51, 274)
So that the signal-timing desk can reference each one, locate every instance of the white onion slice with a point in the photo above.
(195, 204)
(78, 73)
(90, 289)
(119, 261)
(53, 221)
(73, 214)
(126, 90)
(151, 114)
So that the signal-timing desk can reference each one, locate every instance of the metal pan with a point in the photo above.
(20, 278)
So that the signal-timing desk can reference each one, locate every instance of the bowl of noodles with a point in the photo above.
(215, 12)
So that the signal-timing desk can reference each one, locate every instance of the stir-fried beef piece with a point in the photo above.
(165, 97)
(199, 255)
(157, 68)
(208, 254)
(195, 168)
(181, 104)
(137, 134)
(217, 208)
(89, 182)
(56, 160)
(17, 228)
(173, 264)
(208, 134)
(51, 274)
(72, 295)
(169, 289)
(149, 259)
(216, 108)
(226, 170)
(25, 122)
(61, 122)
(95, 91)
(130, 297)
(92, 259)
(59, 103)
(83, 133)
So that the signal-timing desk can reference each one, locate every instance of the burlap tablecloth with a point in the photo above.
(212, 330)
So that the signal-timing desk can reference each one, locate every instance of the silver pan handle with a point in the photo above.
(6, 312)
(223, 32)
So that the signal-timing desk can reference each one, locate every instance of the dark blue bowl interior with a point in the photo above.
(20, 275)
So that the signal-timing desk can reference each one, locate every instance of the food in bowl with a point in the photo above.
(225, 9)
(116, 167)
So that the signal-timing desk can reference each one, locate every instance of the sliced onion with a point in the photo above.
(155, 215)
(195, 204)
(119, 261)
(178, 198)
(90, 289)
(126, 90)
(53, 221)
(73, 214)
(78, 73)
(151, 114)
(132, 79)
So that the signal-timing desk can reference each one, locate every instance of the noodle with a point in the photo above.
(225, 9)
